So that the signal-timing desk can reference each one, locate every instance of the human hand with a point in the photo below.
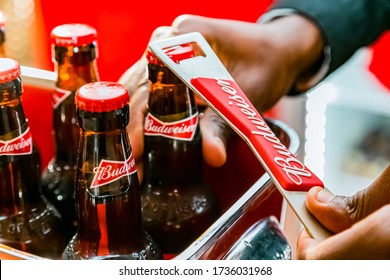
(361, 223)
(265, 60)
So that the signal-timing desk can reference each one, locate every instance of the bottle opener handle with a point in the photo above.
(208, 78)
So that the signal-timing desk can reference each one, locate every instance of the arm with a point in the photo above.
(345, 26)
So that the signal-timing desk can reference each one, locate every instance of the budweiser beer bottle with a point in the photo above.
(27, 222)
(177, 205)
(74, 49)
(107, 188)
(2, 35)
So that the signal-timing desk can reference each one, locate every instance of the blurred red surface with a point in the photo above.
(380, 63)
(124, 27)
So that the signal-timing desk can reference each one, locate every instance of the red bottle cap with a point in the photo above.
(101, 97)
(73, 34)
(176, 53)
(9, 69)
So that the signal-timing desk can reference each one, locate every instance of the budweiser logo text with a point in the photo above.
(181, 130)
(21, 145)
(293, 168)
(109, 171)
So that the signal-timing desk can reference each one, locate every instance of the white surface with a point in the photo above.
(340, 113)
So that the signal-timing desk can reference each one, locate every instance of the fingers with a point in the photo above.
(190, 23)
(215, 134)
(136, 81)
(367, 239)
(135, 129)
(305, 245)
(338, 213)
(329, 209)
(162, 32)
(376, 195)
(135, 76)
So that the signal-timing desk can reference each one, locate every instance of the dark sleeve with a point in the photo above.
(347, 25)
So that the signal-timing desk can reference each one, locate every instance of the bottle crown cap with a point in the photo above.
(9, 69)
(73, 34)
(98, 97)
(176, 53)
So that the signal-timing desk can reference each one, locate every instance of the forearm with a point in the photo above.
(301, 41)
(346, 25)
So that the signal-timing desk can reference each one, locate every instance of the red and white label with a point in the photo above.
(59, 96)
(180, 130)
(109, 171)
(21, 145)
(228, 98)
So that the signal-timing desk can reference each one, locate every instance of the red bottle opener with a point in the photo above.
(209, 79)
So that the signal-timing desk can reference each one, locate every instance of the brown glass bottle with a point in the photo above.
(2, 35)
(27, 221)
(74, 49)
(107, 188)
(177, 205)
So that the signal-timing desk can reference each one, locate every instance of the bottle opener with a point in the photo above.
(209, 79)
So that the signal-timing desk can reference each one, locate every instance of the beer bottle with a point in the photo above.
(2, 35)
(74, 49)
(264, 240)
(27, 221)
(177, 204)
(108, 199)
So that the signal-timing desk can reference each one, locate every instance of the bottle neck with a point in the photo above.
(107, 189)
(19, 160)
(2, 43)
(75, 67)
(170, 151)
(169, 98)
(71, 76)
(12, 117)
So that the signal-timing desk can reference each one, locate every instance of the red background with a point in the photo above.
(124, 27)
(380, 63)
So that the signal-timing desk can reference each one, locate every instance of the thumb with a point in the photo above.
(215, 134)
(338, 213)
(188, 23)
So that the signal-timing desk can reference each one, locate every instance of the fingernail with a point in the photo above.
(324, 196)
(218, 141)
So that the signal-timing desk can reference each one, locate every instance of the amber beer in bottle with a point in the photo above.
(27, 221)
(74, 49)
(2, 35)
(177, 205)
(108, 198)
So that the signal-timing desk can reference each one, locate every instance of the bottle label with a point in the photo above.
(21, 145)
(180, 130)
(109, 171)
(59, 96)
